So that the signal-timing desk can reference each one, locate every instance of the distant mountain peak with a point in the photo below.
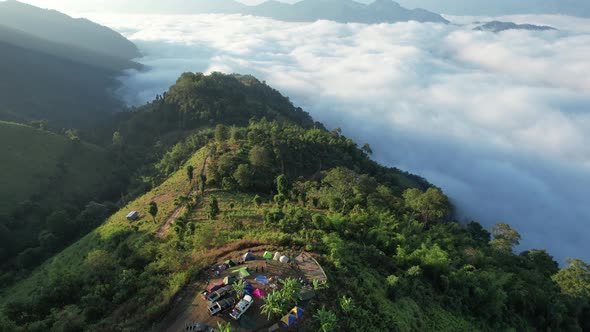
(379, 11)
(498, 26)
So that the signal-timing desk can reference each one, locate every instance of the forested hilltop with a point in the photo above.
(221, 163)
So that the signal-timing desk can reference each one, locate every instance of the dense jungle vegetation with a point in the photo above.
(249, 168)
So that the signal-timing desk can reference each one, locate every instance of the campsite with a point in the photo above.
(262, 272)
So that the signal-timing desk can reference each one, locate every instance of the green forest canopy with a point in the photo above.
(386, 239)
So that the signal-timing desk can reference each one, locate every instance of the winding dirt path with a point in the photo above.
(165, 228)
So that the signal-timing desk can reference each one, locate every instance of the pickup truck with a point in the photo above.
(221, 306)
(220, 293)
(215, 285)
(242, 307)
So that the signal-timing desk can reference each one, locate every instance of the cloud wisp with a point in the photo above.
(500, 121)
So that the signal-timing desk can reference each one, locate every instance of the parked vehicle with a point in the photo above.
(221, 306)
(212, 288)
(220, 293)
(242, 307)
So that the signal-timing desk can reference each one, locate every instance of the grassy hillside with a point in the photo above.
(71, 260)
(47, 180)
(261, 174)
(40, 86)
(394, 260)
(33, 159)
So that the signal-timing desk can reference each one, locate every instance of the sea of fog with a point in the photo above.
(500, 121)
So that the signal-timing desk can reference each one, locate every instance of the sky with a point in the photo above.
(499, 121)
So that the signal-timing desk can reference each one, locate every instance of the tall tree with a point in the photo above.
(234, 134)
(431, 205)
(202, 183)
(574, 280)
(259, 157)
(282, 185)
(190, 173)
(242, 176)
(153, 210)
(221, 133)
(213, 208)
(505, 238)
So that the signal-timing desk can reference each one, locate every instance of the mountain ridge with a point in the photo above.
(343, 11)
(57, 27)
(498, 26)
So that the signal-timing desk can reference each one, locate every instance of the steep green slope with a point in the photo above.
(40, 86)
(43, 173)
(65, 51)
(33, 159)
(394, 258)
(60, 28)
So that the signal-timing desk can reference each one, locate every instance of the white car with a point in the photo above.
(242, 307)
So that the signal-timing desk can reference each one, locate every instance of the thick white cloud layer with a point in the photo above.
(500, 121)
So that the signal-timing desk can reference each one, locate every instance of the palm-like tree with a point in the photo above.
(240, 289)
(224, 327)
(291, 290)
(327, 319)
(273, 305)
(346, 304)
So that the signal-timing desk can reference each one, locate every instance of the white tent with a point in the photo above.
(284, 259)
(277, 256)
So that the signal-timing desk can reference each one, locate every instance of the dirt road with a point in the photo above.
(165, 228)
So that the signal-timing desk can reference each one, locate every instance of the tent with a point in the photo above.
(297, 312)
(243, 272)
(229, 280)
(258, 293)
(262, 280)
(133, 215)
(248, 288)
(277, 256)
(284, 259)
(248, 257)
(230, 263)
(293, 315)
(267, 255)
(288, 320)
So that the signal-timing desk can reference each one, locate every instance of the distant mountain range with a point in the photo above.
(56, 27)
(380, 11)
(57, 68)
(497, 26)
(580, 8)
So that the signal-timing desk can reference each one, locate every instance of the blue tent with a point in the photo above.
(292, 316)
(262, 279)
(297, 312)
(288, 320)
(248, 288)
